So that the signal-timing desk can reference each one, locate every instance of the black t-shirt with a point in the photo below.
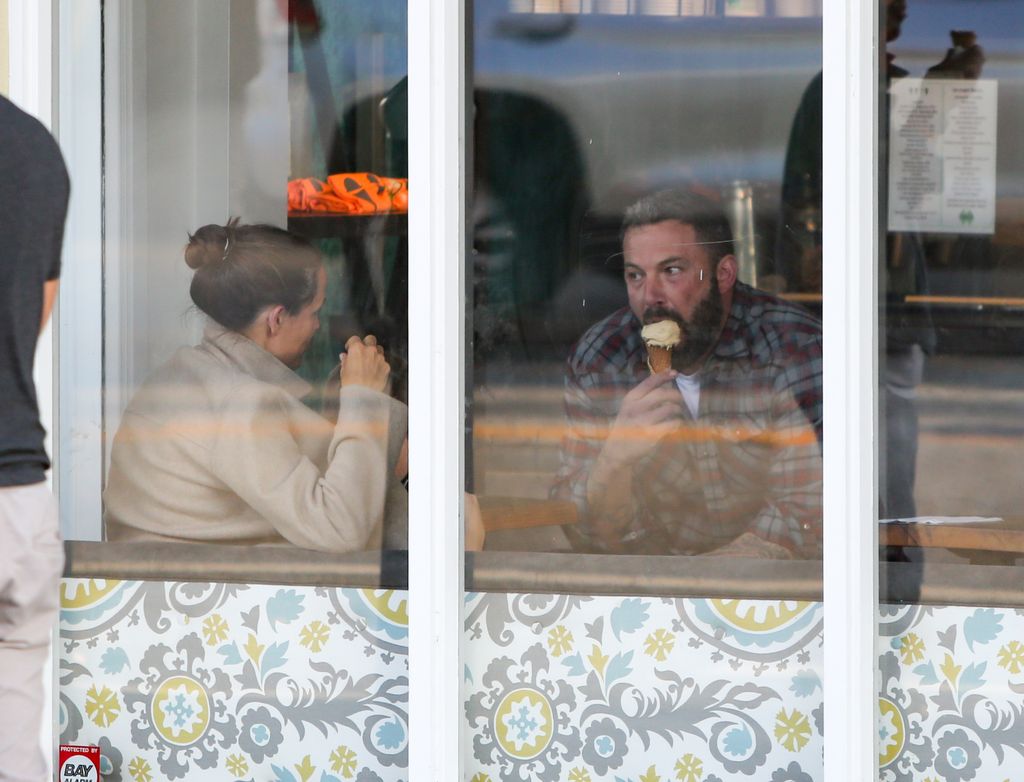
(33, 204)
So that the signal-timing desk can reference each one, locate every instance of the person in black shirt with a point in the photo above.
(908, 336)
(33, 204)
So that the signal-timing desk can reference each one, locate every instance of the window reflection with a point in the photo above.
(951, 204)
(783, 8)
(218, 446)
(582, 109)
(907, 339)
(694, 413)
(949, 365)
(228, 418)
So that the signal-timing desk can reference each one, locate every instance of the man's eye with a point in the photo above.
(633, 276)
(673, 270)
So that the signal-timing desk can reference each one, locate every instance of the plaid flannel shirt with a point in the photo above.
(749, 462)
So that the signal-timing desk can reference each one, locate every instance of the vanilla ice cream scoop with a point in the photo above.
(663, 334)
(660, 338)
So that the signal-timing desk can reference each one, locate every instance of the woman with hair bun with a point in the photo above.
(218, 446)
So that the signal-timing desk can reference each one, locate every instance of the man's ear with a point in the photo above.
(726, 272)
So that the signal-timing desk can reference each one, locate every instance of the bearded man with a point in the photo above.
(721, 452)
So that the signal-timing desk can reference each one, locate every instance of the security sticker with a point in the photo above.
(79, 763)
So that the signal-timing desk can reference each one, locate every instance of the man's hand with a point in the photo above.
(648, 413)
(475, 533)
(750, 546)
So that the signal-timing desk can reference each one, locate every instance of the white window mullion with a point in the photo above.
(80, 314)
(436, 317)
(30, 55)
(850, 387)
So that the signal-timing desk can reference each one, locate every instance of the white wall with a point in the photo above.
(197, 132)
(4, 48)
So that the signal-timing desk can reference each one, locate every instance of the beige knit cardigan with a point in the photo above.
(218, 447)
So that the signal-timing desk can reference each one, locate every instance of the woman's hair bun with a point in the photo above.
(240, 270)
(207, 245)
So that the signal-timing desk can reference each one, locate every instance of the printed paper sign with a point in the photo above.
(942, 155)
(79, 763)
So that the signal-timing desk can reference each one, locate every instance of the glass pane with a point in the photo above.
(651, 535)
(292, 130)
(951, 388)
(246, 616)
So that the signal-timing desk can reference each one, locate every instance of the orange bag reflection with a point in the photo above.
(350, 194)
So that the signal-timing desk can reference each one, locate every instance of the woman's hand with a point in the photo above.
(363, 364)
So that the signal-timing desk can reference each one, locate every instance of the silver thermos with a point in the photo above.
(739, 208)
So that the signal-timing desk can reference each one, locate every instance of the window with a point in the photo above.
(628, 162)
(178, 402)
(285, 115)
(580, 114)
(950, 382)
(532, 126)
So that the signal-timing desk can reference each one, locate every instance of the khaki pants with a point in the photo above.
(31, 558)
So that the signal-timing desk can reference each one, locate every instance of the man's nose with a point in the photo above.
(654, 292)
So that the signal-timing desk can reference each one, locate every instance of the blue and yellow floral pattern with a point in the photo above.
(226, 681)
(289, 684)
(950, 708)
(633, 688)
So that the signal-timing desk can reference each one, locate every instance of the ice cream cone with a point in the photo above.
(660, 338)
(658, 358)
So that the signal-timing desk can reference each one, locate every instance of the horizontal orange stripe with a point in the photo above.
(506, 432)
(994, 301)
(812, 297)
(556, 432)
(967, 438)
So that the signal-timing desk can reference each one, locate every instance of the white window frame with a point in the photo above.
(437, 240)
(437, 231)
(78, 90)
(850, 49)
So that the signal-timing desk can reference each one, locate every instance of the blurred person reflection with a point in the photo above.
(908, 331)
(218, 445)
(967, 259)
(720, 452)
(33, 205)
(528, 202)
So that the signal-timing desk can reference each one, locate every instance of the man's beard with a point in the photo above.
(700, 333)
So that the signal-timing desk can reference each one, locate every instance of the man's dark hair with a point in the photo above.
(706, 217)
